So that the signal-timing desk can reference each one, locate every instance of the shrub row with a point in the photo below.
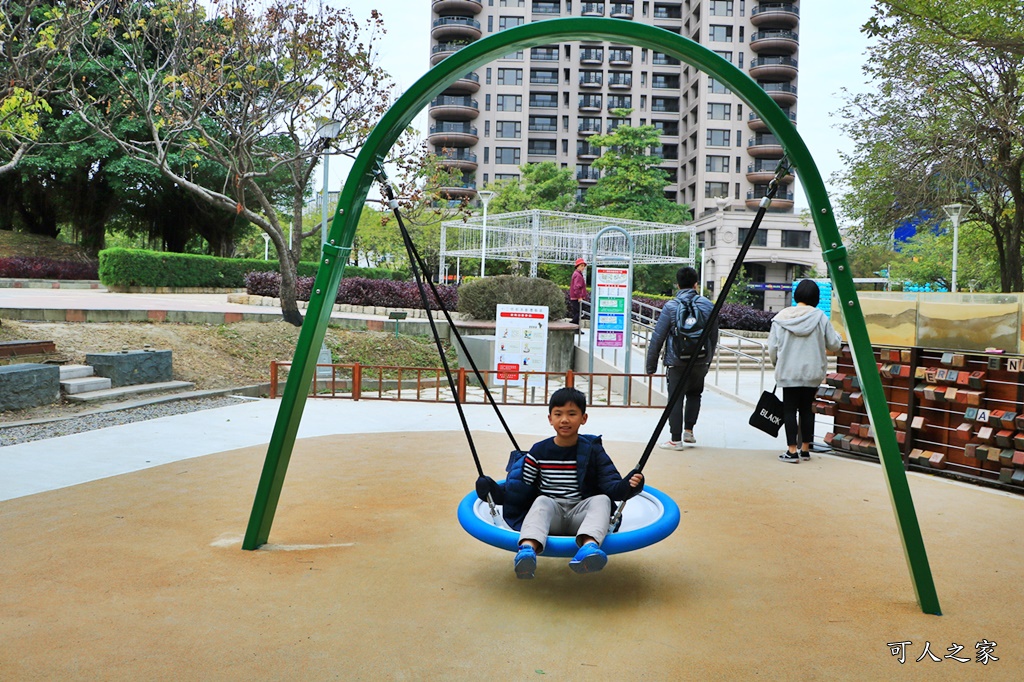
(139, 267)
(356, 291)
(46, 268)
(731, 316)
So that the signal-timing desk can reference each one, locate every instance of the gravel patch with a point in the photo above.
(12, 435)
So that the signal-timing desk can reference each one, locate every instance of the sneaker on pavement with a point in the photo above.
(805, 455)
(671, 445)
(790, 457)
(526, 562)
(688, 437)
(589, 559)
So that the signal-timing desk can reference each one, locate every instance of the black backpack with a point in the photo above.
(690, 323)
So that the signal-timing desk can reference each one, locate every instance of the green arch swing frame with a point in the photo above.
(479, 53)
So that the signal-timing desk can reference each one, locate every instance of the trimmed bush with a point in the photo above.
(45, 268)
(356, 291)
(479, 297)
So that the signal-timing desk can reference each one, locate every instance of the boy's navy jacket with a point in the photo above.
(595, 471)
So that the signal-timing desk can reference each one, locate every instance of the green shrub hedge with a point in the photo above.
(142, 268)
(479, 297)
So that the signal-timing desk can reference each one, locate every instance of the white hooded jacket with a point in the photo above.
(797, 343)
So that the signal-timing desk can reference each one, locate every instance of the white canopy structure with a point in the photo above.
(554, 237)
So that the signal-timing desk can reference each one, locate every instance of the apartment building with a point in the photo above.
(542, 104)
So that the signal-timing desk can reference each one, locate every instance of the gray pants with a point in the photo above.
(548, 515)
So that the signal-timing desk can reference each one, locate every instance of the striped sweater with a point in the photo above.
(553, 470)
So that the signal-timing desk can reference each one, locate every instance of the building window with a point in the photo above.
(718, 138)
(543, 147)
(544, 76)
(760, 239)
(507, 155)
(719, 112)
(720, 8)
(721, 34)
(711, 239)
(544, 124)
(546, 100)
(716, 164)
(510, 76)
(713, 190)
(716, 87)
(505, 177)
(510, 102)
(796, 239)
(508, 129)
(726, 55)
(544, 54)
(509, 22)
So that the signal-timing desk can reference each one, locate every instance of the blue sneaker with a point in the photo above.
(589, 559)
(526, 562)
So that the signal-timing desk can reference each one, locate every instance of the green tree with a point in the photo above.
(248, 90)
(544, 186)
(29, 36)
(927, 258)
(941, 125)
(987, 24)
(631, 186)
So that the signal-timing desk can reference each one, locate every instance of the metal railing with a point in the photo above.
(429, 384)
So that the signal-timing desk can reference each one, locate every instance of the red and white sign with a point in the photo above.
(520, 345)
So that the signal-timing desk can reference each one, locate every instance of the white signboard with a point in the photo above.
(611, 306)
(520, 344)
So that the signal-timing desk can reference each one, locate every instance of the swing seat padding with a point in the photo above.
(647, 518)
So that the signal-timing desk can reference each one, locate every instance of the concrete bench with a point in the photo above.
(28, 385)
(132, 367)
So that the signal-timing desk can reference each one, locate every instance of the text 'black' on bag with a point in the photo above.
(767, 415)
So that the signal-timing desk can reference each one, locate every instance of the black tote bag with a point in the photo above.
(767, 415)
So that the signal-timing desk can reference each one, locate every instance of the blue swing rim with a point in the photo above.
(561, 546)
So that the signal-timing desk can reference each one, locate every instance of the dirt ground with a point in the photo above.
(209, 356)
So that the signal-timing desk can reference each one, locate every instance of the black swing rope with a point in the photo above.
(418, 268)
(781, 171)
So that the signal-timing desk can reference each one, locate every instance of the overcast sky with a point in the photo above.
(831, 55)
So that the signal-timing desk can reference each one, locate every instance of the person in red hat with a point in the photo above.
(577, 290)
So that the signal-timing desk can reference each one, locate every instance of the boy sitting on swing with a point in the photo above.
(564, 486)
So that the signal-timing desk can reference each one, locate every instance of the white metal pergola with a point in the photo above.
(554, 237)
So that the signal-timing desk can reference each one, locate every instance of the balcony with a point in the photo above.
(665, 106)
(546, 8)
(778, 68)
(588, 175)
(448, 29)
(775, 41)
(620, 58)
(784, 94)
(775, 15)
(544, 54)
(668, 12)
(620, 80)
(454, 108)
(541, 148)
(590, 103)
(621, 10)
(589, 126)
(783, 201)
(661, 59)
(460, 159)
(543, 77)
(620, 102)
(590, 56)
(664, 82)
(762, 171)
(755, 123)
(543, 100)
(592, 9)
(464, 7)
(590, 79)
(469, 83)
(466, 190)
(764, 146)
(446, 134)
(587, 151)
(442, 50)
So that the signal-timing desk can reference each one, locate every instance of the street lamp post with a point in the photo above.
(954, 211)
(266, 247)
(485, 197)
(328, 131)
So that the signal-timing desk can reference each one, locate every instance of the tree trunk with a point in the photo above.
(289, 306)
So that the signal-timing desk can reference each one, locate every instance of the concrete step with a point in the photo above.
(108, 394)
(75, 371)
(84, 384)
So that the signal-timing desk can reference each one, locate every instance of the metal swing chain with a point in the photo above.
(418, 267)
(781, 171)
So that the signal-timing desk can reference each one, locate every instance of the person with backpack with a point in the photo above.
(679, 327)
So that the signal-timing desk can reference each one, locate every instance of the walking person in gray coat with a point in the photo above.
(797, 345)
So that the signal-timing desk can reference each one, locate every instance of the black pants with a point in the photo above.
(683, 414)
(797, 403)
(574, 310)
